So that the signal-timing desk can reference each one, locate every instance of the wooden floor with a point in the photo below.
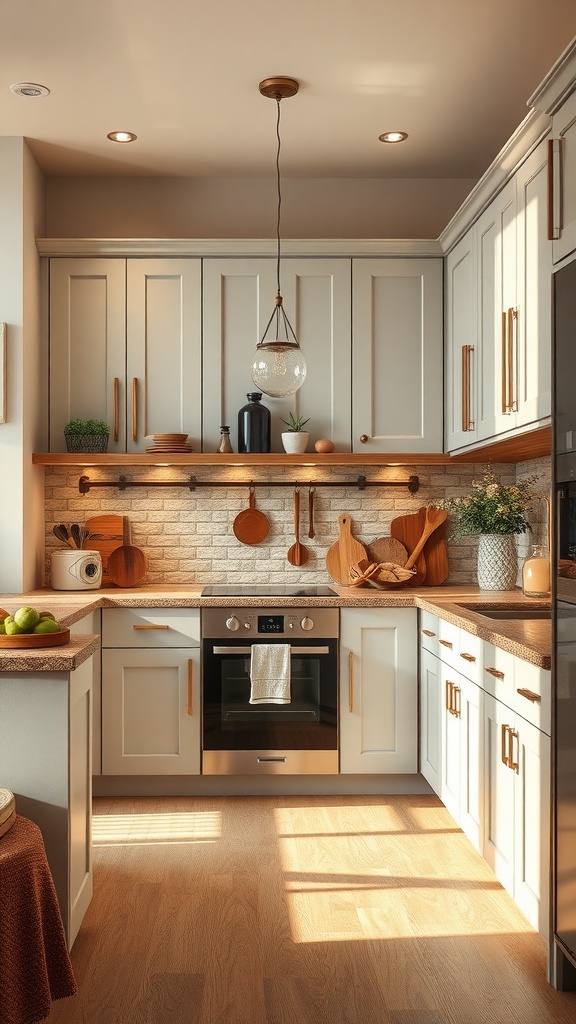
(300, 910)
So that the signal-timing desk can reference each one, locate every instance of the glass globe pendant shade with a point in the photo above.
(278, 369)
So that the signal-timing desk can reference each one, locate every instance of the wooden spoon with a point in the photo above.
(434, 518)
(311, 512)
(297, 554)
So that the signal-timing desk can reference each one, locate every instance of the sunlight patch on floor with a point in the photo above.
(152, 829)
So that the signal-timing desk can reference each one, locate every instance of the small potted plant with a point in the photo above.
(295, 439)
(86, 435)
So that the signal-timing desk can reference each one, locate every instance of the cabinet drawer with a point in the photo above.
(150, 627)
(448, 644)
(470, 656)
(532, 694)
(498, 673)
(428, 629)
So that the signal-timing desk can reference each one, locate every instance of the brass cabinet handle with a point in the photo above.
(116, 399)
(446, 643)
(428, 632)
(456, 707)
(512, 359)
(135, 408)
(350, 681)
(190, 685)
(448, 696)
(466, 656)
(494, 672)
(503, 750)
(504, 363)
(555, 147)
(514, 765)
(530, 695)
(363, 438)
(151, 626)
(467, 423)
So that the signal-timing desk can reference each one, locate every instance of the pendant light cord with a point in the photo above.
(279, 195)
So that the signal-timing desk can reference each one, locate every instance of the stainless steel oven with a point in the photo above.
(299, 737)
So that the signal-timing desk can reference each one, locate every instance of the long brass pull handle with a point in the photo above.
(554, 188)
(446, 643)
(530, 695)
(350, 681)
(151, 626)
(456, 706)
(494, 672)
(466, 656)
(448, 696)
(428, 632)
(512, 317)
(116, 407)
(190, 686)
(503, 750)
(464, 389)
(135, 408)
(504, 363)
(514, 765)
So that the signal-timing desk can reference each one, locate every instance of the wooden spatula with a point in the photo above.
(433, 519)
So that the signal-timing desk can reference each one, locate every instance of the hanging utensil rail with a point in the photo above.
(85, 484)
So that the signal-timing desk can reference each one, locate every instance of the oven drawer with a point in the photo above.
(150, 627)
(270, 762)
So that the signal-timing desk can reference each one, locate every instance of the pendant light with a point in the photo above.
(278, 366)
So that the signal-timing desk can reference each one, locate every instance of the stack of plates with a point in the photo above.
(170, 443)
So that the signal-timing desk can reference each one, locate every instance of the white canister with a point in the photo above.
(76, 570)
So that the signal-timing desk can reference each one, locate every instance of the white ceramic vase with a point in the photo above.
(295, 441)
(497, 561)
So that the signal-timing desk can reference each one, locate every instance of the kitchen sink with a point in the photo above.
(511, 612)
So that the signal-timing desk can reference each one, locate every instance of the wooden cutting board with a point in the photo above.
(345, 552)
(387, 549)
(432, 563)
(109, 530)
(127, 565)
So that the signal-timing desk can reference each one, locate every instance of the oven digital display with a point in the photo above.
(270, 623)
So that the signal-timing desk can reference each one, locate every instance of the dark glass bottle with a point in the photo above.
(254, 425)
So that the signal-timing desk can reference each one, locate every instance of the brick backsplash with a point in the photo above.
(188, 536)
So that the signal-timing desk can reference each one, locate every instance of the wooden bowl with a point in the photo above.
(31, 641)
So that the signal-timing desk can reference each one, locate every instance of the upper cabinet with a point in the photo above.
(397, 355)
(498, 313)
(564, 162)
(238, 302)
(125, 347)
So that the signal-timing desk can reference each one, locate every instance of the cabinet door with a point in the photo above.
(499, 790)
(497, 367)
(534, 323)
(238, 302)
(451, 743)
(461, 343)
(564, 128)
(471, 762)
(150, 712)
(532, 823)
(430, 719)
(379, 690)
(397, 356)
(88, 625)
(164, 355)
(80, 875)
(87, 346)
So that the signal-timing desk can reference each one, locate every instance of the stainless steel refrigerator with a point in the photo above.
(563, 946)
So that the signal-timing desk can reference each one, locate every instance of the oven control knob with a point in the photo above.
(232, 623)
(307, 623)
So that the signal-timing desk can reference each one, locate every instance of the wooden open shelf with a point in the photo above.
(534, 444)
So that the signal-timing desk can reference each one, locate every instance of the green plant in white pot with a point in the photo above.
(86, 435)
(295, 439)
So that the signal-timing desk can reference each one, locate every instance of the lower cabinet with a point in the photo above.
(150, 691)
(516, 811)
(91, 624)
(488, 763)
(378, 690)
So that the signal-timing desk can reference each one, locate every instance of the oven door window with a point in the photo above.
(308, 722)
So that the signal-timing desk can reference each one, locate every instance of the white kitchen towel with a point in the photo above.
(270, 674)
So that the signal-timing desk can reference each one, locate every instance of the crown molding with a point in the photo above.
(558, 83)
(238, 247)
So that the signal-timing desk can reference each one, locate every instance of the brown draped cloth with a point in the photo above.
(35, 967)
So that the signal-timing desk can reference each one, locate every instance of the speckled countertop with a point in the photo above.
(527, 639)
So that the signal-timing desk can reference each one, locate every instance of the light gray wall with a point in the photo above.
(246, 208)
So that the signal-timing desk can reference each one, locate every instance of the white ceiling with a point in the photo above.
(183, 75)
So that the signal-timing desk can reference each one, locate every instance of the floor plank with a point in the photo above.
(300, 910)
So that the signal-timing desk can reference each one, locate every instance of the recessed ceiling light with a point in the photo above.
(29, 89)
(393, 136)
(121, 136)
